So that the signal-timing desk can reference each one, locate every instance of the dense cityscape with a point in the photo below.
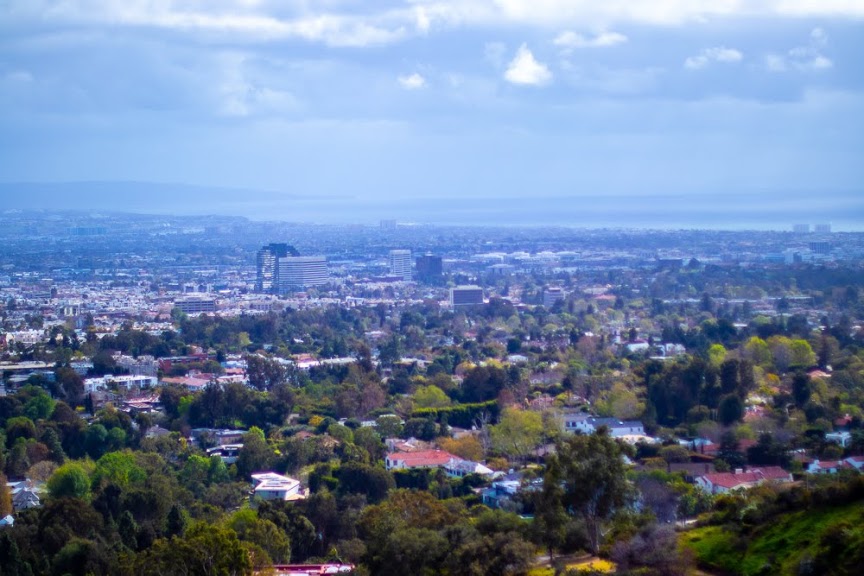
(301, 398)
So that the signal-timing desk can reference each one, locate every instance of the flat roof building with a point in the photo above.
(298, 272)
(195, 304)
(466, 296)
(400, 264)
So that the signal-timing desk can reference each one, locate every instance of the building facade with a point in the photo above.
(466, 296)
(429, 267)
(267, 261)
(299, 272)
(400, 264)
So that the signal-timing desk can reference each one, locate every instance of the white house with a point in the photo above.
(841, 438)
(272, 486)
(587, 424)
(458, 468)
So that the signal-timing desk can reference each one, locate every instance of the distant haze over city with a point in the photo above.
(758, 210)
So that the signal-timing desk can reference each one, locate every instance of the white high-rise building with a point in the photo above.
(297, 272)
(400, 264)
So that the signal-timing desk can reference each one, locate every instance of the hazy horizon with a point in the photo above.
(765, 210)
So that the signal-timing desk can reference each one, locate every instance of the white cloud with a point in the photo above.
(569, 40)
(422, 20)
(709, 55)
(524, 69)
(412, 82)
(806, 58)
(351, 23)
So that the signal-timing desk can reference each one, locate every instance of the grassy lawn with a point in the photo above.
(781, 544)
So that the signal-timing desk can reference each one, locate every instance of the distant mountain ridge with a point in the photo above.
(132, 196)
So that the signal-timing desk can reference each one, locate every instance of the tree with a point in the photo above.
(731, 409)
(756, 351)
(358, 478)
(5, 497)
(205, 550)
(70, 481)
(801, 388)
(654, 551)
(263, 533)
(594, 484)
(802, 354)
(255, 455)
(716, 355)
(431, 397)
(467, 447)
(517, 433)
(265, 373)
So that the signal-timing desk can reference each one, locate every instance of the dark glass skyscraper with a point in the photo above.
(268, 265)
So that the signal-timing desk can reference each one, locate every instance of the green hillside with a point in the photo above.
(819, 541)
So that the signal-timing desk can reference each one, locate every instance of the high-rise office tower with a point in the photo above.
(400, 264)
(429, 268)
(268, 265)
(298, 272)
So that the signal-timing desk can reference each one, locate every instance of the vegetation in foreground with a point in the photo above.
(769, 533)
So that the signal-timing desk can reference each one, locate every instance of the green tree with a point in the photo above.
(802, 354)
(118, 468)
(430, 397)
(263, 533)
(256, 455)
(40, 405)
(716, 355)
(517, 433)
(70, 481)
(756, 350)
(205, 550)
(593, 479)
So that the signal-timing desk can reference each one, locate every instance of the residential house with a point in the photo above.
(827, 467)
(272, 486)
(458, 468)
(588, 424)
(725, 482)
(7, 521)
(229, 453)
(418, 459)
(501, 492)
(841, 438)
(856, 462)
(24, 495)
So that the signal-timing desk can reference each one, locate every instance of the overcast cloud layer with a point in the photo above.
(488, 98)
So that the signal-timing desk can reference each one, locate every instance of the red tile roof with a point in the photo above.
(731, 480)
(422, 458)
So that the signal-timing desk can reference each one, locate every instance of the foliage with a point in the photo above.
(70, 481)
(591, 471)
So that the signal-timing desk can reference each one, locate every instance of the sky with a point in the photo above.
(379, 100)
